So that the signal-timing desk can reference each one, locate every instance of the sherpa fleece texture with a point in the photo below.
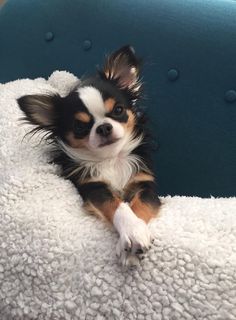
(56, 262)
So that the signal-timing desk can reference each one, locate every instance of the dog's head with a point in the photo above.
(99, 116)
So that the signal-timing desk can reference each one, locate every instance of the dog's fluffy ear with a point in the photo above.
(39, 109)
(123, 67)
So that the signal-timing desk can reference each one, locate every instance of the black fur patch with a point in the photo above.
(120, 118)
(66, 109)
(95, 192)
(146, 191)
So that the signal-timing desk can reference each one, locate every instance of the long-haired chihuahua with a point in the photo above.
(102, 146)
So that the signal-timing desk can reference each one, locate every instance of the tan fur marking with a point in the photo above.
(105, 210)
(109, 104)
(83, 116)
(143, 210)
(129, 125)
(131, 187)
(108, 208)
(141, 176)
(74, 142)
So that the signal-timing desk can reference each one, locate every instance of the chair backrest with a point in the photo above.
(189, 49)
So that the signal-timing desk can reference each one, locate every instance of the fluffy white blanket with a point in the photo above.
(57, 262)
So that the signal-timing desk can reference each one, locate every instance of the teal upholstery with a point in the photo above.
(189, 49)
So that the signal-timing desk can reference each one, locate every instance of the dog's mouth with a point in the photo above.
(107, 143)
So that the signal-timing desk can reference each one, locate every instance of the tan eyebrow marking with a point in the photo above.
(142, 176)
(129, 125)
(83, 116)
(109, 104)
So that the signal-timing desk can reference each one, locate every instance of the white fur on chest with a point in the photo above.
(117, 171)
(108, 165)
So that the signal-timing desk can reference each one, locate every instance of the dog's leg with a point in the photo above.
(99, 199)
(142, 197)
(134, 233)
(135, 237)
(143, 200)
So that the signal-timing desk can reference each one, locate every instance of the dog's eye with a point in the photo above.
(81, 128)
(118, 110)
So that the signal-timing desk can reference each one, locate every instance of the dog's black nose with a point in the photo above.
(104, 130)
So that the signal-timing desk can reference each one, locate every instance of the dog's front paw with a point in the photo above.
(135, 237)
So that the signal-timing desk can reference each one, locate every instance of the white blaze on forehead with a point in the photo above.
(93, 100)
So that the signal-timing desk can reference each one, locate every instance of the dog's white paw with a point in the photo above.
(135, 237)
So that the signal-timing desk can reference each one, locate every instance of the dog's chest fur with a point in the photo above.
(116, 171)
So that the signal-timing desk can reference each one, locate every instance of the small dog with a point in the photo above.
(102, 146)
